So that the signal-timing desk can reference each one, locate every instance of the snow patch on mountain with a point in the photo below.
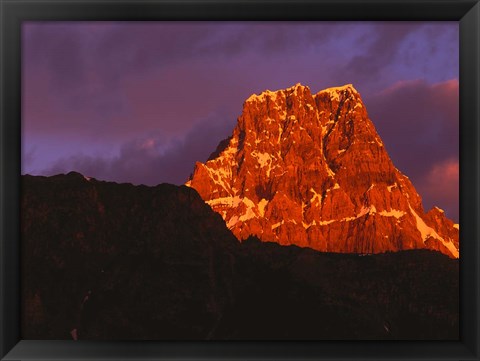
(276, 225)
(392, 213)
(389, 188)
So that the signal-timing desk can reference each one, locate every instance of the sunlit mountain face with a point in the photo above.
(311, 170)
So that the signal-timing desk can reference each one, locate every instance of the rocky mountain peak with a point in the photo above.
(311, 170)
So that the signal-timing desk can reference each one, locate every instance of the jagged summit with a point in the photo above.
(295, 89)
(311, 170)
(348, 87)
(336, 93)
(299, 90)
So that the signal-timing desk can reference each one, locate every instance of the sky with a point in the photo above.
(141, 102)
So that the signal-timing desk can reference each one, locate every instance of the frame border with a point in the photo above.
(13, 12)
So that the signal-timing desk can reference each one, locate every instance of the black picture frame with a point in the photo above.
(13, 12)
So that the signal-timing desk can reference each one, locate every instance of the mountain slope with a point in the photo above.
(311, 170)
(117, 261)
(107, 261)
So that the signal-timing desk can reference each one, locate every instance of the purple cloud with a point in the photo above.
(441, 184)
(94, 93)
(419, 124)
(87, 78)
(380, 50)
(148, 160)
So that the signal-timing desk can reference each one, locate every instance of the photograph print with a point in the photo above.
(240, 181)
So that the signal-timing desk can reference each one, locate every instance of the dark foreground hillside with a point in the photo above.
(114, 261)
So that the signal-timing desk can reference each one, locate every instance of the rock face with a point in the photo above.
(310, 170)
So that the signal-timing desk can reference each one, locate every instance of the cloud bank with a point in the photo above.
(141, 102)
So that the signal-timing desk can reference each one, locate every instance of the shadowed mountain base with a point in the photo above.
(108, 261)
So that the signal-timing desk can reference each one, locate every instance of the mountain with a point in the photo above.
(311, 170)
(114, 261)
(108, 261)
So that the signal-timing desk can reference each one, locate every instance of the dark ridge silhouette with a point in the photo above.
(107, 261)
